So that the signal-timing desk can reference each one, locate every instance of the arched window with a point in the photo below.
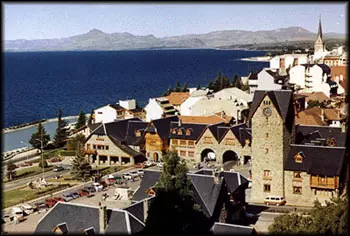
(188, 132)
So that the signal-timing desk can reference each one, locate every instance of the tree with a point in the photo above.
(91, 117)
(174, 209)
(184, 88)
(75, 142)
(210, 85)
(61, 131)
(225, 82)
(217, 82)
(238, 82)
(235, 78)
(10, 170)
(198, 86)
(81, 168)
(40, 134)
(43, 164)
(178, 87)
(81, 120)
(328, 219)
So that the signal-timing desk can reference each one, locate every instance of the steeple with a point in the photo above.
(319, 34)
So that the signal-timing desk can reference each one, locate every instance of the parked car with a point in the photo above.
(18, 213)
(41, 207)
(7, 217)
(127, 176)
(58, 168)
(90, 189)
(274, 200)
(140, 172)
(160, 164)
(67, 197)
(50, 202)
(149, 164)
(98, 187)
(75, 195)
(134, 174)
(58, 199)
(83, 192)
(139, 165)
(27, 208)
(28, 163)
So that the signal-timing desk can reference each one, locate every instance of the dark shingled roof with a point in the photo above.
(207, 191)
(215, 130)
(281, 99)
(326, 69)
(204, 172)
(149, 179)
(231, 229)
(118, 129)
(137, 209)
(195, 130)
(162, 126)
(117, 106)
(234, 180)
(253, 76)
(318, 160)
(81, 217)
(131, 138)
(306, 134)
(242, 132)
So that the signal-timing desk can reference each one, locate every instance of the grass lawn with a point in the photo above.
(30, 171)
(23, 194)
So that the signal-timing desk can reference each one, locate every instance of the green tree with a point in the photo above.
(10, 170)
(235, 78)
(178, 87)
(43, 164)
(225, 82)
(40, 134)
(61, 131)
(329, 219)
(238, 82)
(184, 88)
(91, 117)
(81, 168)
(75, 142)
(315, 103)
(174, 209)
(217, 82)
(198, 86)
(81, 120)
(210, 85)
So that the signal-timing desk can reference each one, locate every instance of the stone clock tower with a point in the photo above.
(272, 119)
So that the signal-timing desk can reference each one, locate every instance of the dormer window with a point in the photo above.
(137, 133)
(188, 132)
(331, 142)
(299, 157)
(179, 132)
(174, 131)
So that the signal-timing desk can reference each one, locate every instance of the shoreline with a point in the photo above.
(32, 124)
(259, 59)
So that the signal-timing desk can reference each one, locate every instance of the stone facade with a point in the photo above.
(270, 144)
(102, 151)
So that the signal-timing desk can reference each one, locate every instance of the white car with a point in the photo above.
(127, 176)
(134, 174)
(140, 172)
(148, 164)
(98, 187)
(27, 208)
(160, 164)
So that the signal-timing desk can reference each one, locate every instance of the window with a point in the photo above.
(182, 142)
(266, 135)
(174, 142)
(107, 147)
(183, 153)
(297, 174)
(153, 143)
(99, 147)
(266, 150)
(299, 157)
(207, 140)
(100, 112)
(229, 141)
(174, 131)
(267, 174)
(191, 143)
(267, 188)
(179, 132)
(94, 146)
(296, 190)
(188, 132)
(191, 154)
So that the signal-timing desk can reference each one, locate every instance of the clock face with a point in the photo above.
(267, 111)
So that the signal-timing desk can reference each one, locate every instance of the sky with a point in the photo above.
(46, 21)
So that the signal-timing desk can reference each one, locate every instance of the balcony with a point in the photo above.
(91, 151)
(324, 182)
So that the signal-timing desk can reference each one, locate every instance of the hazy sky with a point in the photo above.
(38, 21)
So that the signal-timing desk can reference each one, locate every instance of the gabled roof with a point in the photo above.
(177, 98)
(133, 126)
(318, 96)
(118, 128)
(79, 217)
(240, 131)
(281, 99)
(214, 129)
(306, 134)
(234, 180)
(231, 229)
(318, 160)
(195, 130)
(325, 69)
(162, 126)
(117, 107)
(149, 180)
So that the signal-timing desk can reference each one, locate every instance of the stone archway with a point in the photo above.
(230, 156)
(204, 154)
(155, 157)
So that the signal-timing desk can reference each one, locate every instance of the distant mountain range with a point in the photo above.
(97, 40)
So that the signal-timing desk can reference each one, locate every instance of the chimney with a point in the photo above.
(145, 209)
(102, 217)
(179, 123)
(217, 177)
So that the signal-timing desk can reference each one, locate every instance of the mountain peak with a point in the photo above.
(95, 31)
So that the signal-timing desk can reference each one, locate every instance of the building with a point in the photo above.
(319, 47)
(253, 82)
(116, 142)
(208, 120)
(68, 218)
(272, 79)
(177, 98)
(123, 110)
(286, 61)
(314, 96)
(158, 108)
(339, 75)
(321, 116)
(302, 163)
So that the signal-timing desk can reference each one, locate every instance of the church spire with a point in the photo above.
(319, 34)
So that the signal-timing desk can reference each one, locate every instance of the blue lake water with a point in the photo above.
(36, 84)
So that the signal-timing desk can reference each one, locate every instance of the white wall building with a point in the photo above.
(287, 60)
(106, 114)
(270, 79)
(158, 108)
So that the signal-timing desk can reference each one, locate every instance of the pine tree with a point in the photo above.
(81, 167)
(235, 78)
(198, 86)
(61, 131)
(91, 117)
(10, 170)
(75, 142)
(185, 89)
(81, 120)
(218, 82)
(40, 134)
(178, 87)
(174, 209)
(225, 82)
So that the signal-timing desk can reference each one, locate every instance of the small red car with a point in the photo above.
(83, 193)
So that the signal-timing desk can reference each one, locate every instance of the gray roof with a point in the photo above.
(137, 209)
(305, 134)
(234, 180)
(318, 160)
(195, 130)
(81, 217)
(149, 180)
(231, 229)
